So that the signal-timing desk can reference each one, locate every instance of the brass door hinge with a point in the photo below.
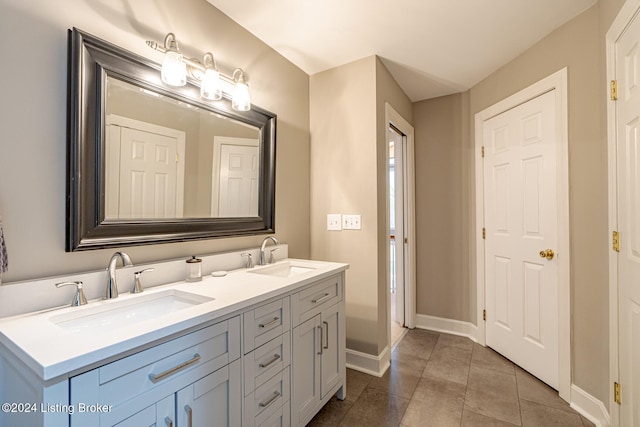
(483, 151)
(484, 315)
(616, 241)
(614, 90)
(484, 233)
(616, 393)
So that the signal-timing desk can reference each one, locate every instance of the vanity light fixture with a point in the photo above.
(175, 67)
(211, 86)
(241, 100)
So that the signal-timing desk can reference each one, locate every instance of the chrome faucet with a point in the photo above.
(112, 285)
(262, 260)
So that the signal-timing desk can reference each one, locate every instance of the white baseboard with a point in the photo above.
(368, 363)
(589, 407)
(448, 326)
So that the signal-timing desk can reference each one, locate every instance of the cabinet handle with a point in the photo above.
(266, 325)
(276, 394)
(317, 300)
(189, 412)
(327, 343)
(320, 333)
(275, 358)
(168, 421)
(162, 375)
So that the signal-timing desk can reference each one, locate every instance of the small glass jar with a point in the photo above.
(194, 272)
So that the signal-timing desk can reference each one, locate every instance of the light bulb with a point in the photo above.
(241, 100)
(210, 85)
(174, 70)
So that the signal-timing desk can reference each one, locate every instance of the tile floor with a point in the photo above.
(444, 380)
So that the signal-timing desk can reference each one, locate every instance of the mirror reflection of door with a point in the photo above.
(145, 178)
(234, 189)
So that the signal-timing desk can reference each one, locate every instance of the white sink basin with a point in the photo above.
(285, 269)
(120, 313)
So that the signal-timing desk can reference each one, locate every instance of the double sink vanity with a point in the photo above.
(256, 346)
(252, 347)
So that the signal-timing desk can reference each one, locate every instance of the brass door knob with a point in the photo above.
(547, 253)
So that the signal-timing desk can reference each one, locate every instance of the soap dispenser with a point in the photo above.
(194, 273)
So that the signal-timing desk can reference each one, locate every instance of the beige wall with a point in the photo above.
(343, 180)
(579, 46)
(441, 238)
(348, 176)
(33, 121)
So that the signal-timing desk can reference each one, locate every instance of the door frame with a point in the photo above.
(558, 82)
(394, 118)
(627, 13)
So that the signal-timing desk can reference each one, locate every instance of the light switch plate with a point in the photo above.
(334, 222)
(351, 222)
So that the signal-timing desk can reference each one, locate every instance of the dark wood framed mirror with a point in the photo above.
(216, 173)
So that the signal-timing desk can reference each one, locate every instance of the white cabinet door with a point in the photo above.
(333, 352)
(161, 414)
(306, 369)
(213, 400)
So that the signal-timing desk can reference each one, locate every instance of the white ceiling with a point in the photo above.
(431, 47)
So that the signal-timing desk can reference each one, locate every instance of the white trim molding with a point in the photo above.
(447, 326)
(368, 363)
(558, 82)
(589, 407)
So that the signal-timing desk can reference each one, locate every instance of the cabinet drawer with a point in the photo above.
(309, 302)
(266, 322)
(280, 417)
(266, 361)
(215, 346)
(258, 406)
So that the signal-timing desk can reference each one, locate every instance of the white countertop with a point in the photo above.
(51, 351)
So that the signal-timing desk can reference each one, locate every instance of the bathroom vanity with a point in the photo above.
(261, 346)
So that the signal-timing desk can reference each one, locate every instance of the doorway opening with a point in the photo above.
(396, 186)
(400, 226)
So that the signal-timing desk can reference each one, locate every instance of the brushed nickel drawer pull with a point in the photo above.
(162, 375)
(320, 334)
(168, 421)
(315, 301)
(275, 358)
(276, 394)
(189, 412)
(266, 325)
(326, 346)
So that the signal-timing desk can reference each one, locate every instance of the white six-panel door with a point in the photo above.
(235, 177)
(238, 181)
(148, 175)
(627, 155)
(145, 170)
(521, 221)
